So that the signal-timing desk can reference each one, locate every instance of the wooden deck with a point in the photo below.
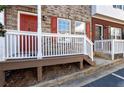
(39, 63)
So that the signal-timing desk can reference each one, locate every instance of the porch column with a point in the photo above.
(39, 32)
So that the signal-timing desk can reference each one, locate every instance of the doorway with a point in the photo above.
(99, 32)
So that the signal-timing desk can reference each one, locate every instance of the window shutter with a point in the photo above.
(54, 24)
(88, 29)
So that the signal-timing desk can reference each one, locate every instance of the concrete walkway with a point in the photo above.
(100, 61)
(99, 74)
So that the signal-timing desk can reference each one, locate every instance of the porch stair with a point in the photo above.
(88, 60)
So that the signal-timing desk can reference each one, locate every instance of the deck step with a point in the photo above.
(89, 60)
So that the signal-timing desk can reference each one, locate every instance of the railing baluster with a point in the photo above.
(15, 45)
(29, 46)
(56, 45)
(11, 46)
(35, 47)
(51, 53)
(32, 48)
(43, 46)
(7, 45)
(22, 44)
(26, 46)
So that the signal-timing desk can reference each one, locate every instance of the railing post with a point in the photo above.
(102, 45)
(92, 51)
(85, 45)
(39, 32)
(123, 49)
(2, 48)
(112, 49)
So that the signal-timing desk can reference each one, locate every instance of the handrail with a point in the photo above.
(23, 44)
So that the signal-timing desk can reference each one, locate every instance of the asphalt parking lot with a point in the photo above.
(115, 79)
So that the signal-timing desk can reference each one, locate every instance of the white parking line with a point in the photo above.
(116, 75)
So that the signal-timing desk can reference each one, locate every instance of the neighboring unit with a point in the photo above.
(108, 30)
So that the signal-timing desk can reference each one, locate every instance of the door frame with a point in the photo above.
(101, 31)
(18, 17)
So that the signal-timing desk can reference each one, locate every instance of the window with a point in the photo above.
(64, 26)
(116, 33)
(119, 6)
(2, 17)
(80, 27)
(114, 6)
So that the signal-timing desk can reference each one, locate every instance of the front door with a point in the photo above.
(99, 32)
(28, 23)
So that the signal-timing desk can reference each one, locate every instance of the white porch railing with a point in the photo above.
(25, 45)
(111, 46)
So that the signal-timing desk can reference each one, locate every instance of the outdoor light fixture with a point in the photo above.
(44, 18)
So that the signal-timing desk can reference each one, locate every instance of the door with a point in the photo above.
(28, 23)
(99, 35)
(99, 32)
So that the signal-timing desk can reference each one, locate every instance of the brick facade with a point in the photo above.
(106, 25)
(74, 13)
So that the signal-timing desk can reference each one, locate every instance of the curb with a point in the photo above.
(81, 74)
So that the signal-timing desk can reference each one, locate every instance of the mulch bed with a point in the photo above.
(27, 77)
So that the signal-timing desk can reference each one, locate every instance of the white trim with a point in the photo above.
(102, 30)
(115, 35)
(116, 75)
(18, 17)
(66, 20)
(2, 15)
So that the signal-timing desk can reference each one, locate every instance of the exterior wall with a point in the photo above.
(105, 24)
(74, 13)
(108, 11)
(11, 14)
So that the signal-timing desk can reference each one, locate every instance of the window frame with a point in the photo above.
(115, 35)
(81, 31)
(58, 32)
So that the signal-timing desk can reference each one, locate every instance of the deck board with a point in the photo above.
(30, 63)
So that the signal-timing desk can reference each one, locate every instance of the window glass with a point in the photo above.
(116, 33)
(80, 27)
(64, 26)
(119, 6)
(123, 7)
(114, 6)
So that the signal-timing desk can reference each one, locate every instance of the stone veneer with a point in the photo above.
(72, 12)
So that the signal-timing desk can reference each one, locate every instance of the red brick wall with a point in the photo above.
(105, 24)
